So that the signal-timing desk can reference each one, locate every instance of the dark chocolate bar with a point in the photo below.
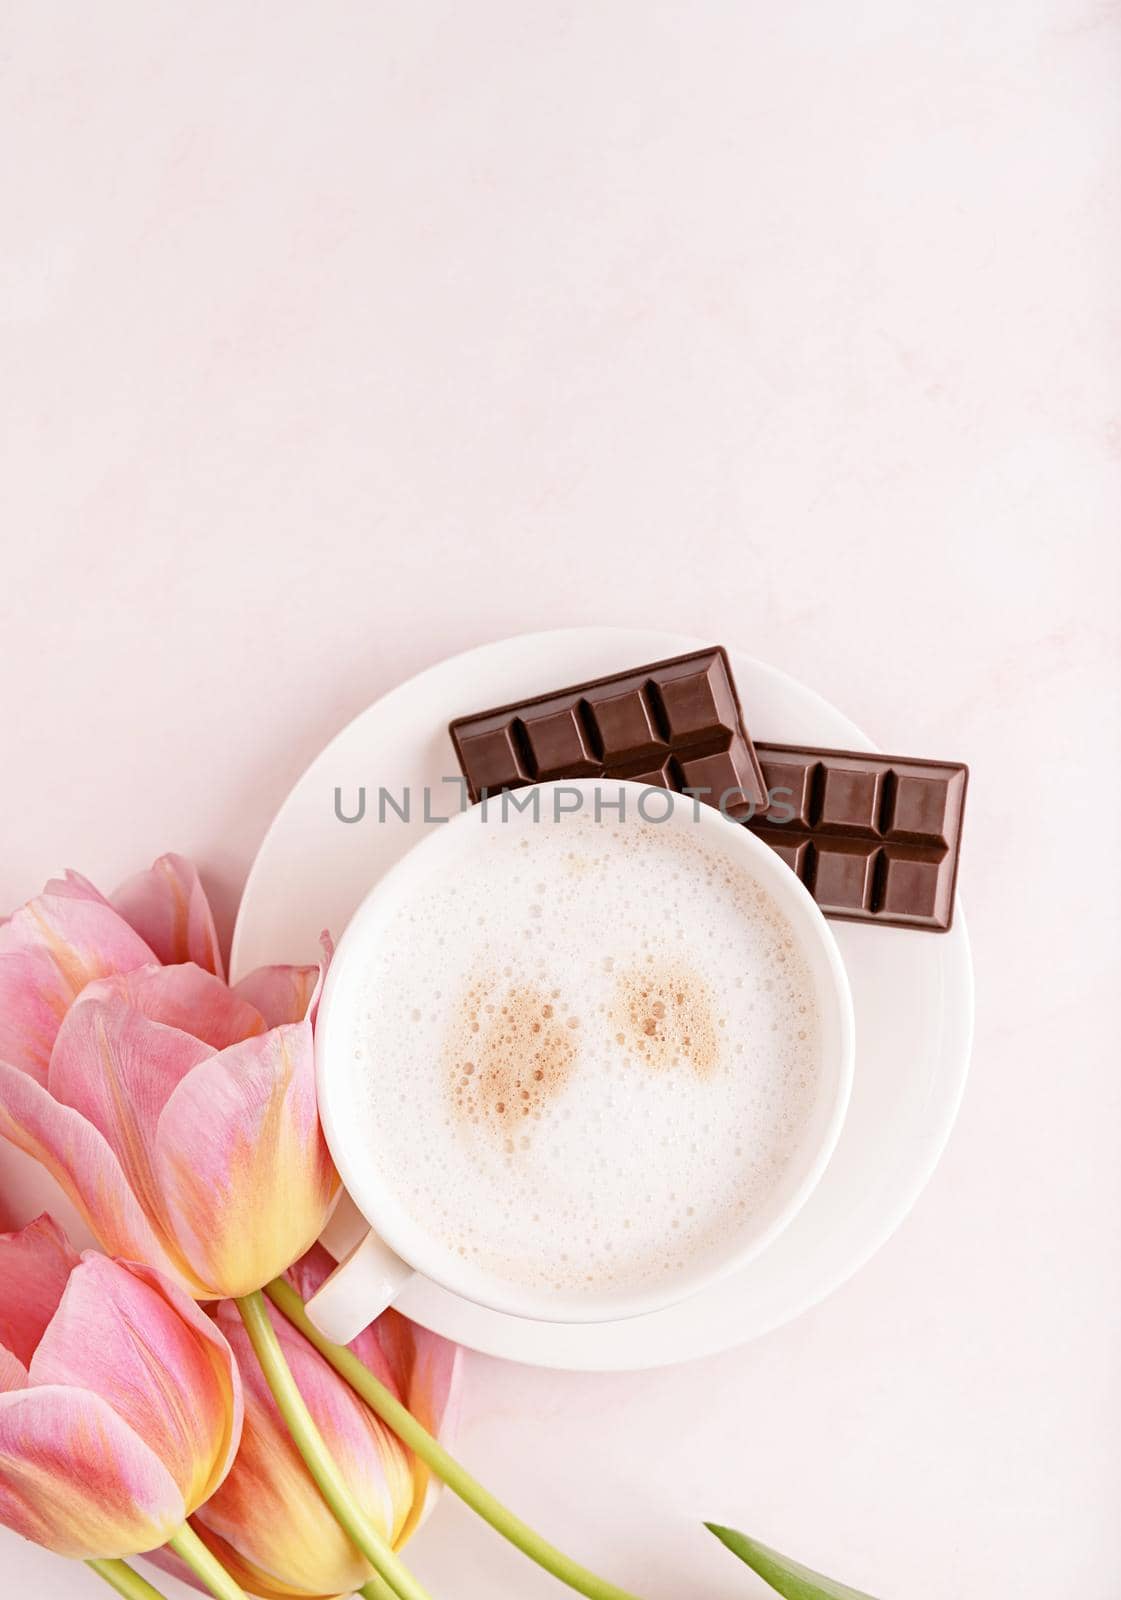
(873, 838)
(675, 723)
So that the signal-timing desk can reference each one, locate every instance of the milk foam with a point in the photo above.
(587, 1060)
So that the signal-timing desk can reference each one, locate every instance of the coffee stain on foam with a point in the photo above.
(511, 1053)
(663, 1016)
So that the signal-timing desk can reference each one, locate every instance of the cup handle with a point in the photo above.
(359, 1289)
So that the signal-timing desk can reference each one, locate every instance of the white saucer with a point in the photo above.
(913, 991)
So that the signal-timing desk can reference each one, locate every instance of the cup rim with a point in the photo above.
(410, 1241)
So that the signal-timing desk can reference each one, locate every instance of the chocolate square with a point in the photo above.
(654, 777)
(924, 806)
(794, 850)
(790, 783)
(696, 702)
(729, 786)
(850, 800)
(557, 744)
(844, 874)
(914, 887)
(625, 724)
(495, 759)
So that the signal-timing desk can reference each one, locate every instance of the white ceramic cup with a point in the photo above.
(378, 1267)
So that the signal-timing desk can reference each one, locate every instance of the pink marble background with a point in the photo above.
(339, 338)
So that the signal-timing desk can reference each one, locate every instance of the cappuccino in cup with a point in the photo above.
(575, 1064)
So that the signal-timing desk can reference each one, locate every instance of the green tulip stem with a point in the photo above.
(317, 1458)
(377, 1589)
(120, 1576)
(432, 1453)
(205, 1566)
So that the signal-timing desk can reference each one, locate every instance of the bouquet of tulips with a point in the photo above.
(169, 1398)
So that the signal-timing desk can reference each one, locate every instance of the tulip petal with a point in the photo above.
(427, 1371)
(254, 1580)
(168, 908)
(242, 1165)
(81, 1160)
(74, 886)
(13, 1373)
(307, 1276)
(35, 1263)
(418, 1366)
(269, 1509)
(156, 1359)
(49, 950)
(118, 1069)
(76, 1479)
(184, 997)
(227, 1373)
(243, 1574)
(425, 1365)
(421, 1368)
(282, 994)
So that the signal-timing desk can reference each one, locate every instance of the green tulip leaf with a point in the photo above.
(788, 1578)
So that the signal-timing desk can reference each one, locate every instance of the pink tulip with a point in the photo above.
(120, 1403)
(49, 951)
(179, 1115)
(169, 910)
(268, 1524)
(53, 946)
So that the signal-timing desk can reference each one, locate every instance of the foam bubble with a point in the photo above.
(587, 1075)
